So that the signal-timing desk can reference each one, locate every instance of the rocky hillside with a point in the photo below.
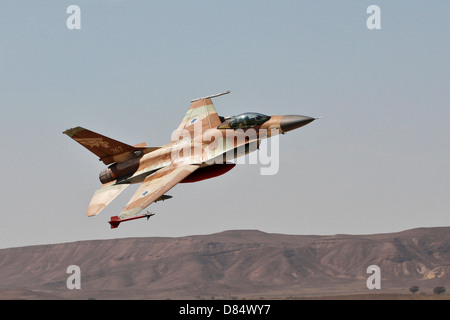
(242, 264)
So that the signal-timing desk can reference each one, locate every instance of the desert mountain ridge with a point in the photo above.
(230, 264)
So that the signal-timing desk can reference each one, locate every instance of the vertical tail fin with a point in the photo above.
(107, 149)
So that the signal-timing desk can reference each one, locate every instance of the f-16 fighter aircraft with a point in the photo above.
(198, 150)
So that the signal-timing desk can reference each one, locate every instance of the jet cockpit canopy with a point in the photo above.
(244, 120)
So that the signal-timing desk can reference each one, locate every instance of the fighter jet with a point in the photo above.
(199, 149)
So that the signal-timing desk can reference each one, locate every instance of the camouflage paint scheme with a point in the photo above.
(198, 150)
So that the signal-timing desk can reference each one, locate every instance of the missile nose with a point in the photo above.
(292, 122)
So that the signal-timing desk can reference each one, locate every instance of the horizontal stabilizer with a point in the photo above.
(103, 197)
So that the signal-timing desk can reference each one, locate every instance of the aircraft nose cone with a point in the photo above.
(292, 122)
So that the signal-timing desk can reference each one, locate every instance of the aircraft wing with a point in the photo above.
(154, 186)
(202, 114)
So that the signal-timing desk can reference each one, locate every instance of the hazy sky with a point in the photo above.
(377, 162)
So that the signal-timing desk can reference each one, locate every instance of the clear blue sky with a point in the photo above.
(377, 162)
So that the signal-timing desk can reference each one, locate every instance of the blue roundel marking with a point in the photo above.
(144, 193)
(193, 120)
